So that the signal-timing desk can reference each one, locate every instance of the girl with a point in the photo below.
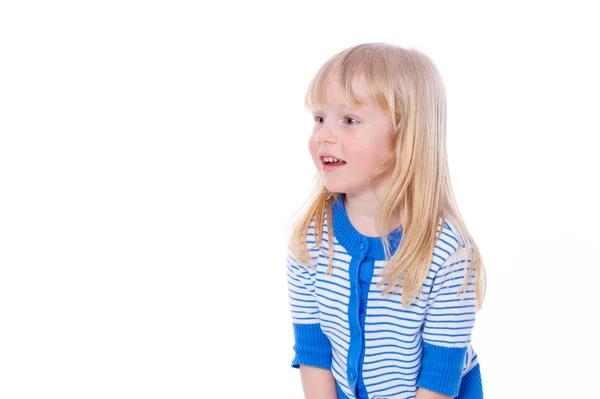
(384, 278)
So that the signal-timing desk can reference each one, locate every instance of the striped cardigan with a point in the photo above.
(375, 347)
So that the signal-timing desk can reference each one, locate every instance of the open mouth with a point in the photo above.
(332, 161)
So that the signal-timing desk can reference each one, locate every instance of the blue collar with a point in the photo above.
(356, 243)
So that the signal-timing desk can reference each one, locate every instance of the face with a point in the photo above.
(360, 138)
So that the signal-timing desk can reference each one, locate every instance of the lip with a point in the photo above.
(330, 168)
(327, 167)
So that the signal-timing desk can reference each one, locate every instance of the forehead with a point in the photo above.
(333, 95)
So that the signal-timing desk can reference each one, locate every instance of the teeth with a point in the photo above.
(330, 159)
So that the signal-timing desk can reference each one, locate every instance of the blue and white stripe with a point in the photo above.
(394, 336)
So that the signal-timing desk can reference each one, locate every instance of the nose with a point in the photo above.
(326, 135)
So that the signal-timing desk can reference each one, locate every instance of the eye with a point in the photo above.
(349, 120)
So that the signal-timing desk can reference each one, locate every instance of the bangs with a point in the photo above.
(341, 71)
(316, 96)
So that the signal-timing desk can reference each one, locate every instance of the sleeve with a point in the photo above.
(311, 345)
(448, 324)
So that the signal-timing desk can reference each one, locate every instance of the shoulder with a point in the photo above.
(450, 246)
(309, 236)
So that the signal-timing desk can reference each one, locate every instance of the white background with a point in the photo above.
(153, 153)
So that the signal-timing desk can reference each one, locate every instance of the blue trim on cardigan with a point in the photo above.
(312, 347)
(441, 369)
(470, 385)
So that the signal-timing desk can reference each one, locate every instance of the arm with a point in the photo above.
(447, 328)
(423, 393)
(312, 349)
(317, 383)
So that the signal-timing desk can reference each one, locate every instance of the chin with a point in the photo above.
(335, 187)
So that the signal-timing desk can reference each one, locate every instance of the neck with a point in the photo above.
(361, 209)
(363, 205)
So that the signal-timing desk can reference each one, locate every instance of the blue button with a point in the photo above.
(352, 374)
(355, 331)
(362, 246)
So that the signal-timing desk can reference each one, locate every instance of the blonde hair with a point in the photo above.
(406, 84)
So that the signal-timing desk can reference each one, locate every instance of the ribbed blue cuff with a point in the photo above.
(470, 385)
(312, 347)
(441, 369)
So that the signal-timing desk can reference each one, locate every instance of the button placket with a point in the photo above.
(353, 316)
(363, 248)
(365, 267)
(352, 374)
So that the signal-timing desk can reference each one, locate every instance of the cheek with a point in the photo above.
(367, 158)
(312, 145)
(313, 148)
